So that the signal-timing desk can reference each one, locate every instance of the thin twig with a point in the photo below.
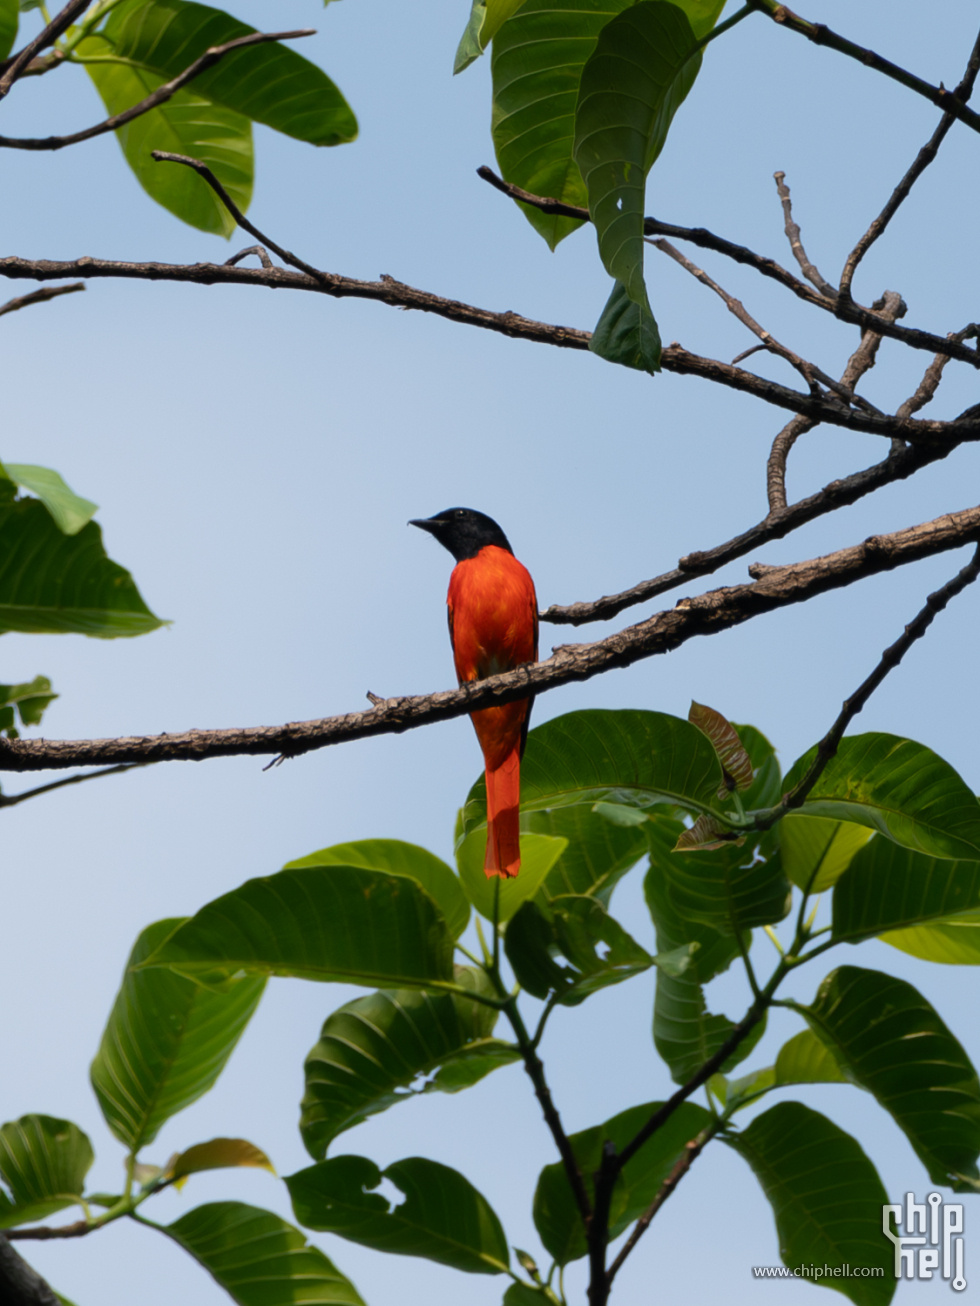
(14, 67)
(706, 614)
(929, 384)
(809, 270)
(846, 310)
(11, 800)
(39, 296)
(890, 659)
(823, 35)
(260, 252)
(919, 165)
(161, 95)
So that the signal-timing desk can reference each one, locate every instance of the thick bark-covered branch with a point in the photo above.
(20, 1283)
(774, 587)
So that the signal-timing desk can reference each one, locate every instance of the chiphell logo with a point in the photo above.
(927, 1236)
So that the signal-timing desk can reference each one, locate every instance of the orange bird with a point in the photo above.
(493, 627)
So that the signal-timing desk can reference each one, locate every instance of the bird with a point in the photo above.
(493, 627)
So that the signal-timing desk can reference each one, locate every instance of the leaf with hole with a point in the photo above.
(166, 1042)
(259, 1258)
(889, 1040)
(556, 1215)
(43, 1164)
(442, 1217)
(826, 1197)
(901, 789)
(340, 923)
(372, 1051)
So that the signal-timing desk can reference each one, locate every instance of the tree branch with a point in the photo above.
(39, 296)
(20, 1283)
(808, 269)
(160, 96)
(846, 310)
(721, 609)
(823, 35)
(14, 68)
(11, 800)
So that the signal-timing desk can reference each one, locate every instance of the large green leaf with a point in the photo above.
(685, 1033)
(577, 927)
(726, 888)
(9, 19)
(826, 1197)
(166, 1042)
(627, 757)
(53, 584)
(898, 787)
(816, 851)
(805, 1059)
(70, 511)
(43, 1163)
(260, 1259)
(600, 850)
(442, 1217)
(634, 81)
(186, 124)
(539, 853)
(371, 1052)
(342, 923)
(269, 83)
(556, 1216)
(952, 942)
(890, 888)
(397, 857)
(888, 1039)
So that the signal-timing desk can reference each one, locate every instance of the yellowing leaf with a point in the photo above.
(218, 1154)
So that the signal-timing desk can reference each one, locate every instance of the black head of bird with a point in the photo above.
(464, 531)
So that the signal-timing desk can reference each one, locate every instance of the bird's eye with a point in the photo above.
(460, 512)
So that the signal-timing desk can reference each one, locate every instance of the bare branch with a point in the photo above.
(933, 375)
(822, 35)
(39, 296)
(20, 1283)
(890, 659)
(846, 310)
(721, 609)
(11, 800)
(160, 96)
(919, 165)
(14, 68)
(808, 269)
(44, 1232)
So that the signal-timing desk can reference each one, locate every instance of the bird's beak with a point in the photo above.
(426, 524)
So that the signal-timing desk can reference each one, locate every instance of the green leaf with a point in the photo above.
(340, 923)
(486, 18)
(70, 511)
(399, 858)
(826, 1197)
(889, 1040)
(442, 1217)
(898, 787)
(644, 63)
(736, 1094)
(522, 1294)
(574, 926)
(372, 1050)
(166, 1042)
(817, 851)
(889, 888)
(630, 758)
(627, 333)
(604, 842)
(685, 1033)
(43, 1163)
(218, 1154)
(539, 853)
(804, 1059)
(269, 83)
(9, 20)
(952, 942)
(259, 1259)
(556, 1216)
(186, 124)
(471, 1064)
(27, 701)
(726, 888)
(54, 584)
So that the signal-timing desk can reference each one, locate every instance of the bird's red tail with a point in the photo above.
(503, 816)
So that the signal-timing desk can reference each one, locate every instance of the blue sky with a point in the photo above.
(256, 456)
